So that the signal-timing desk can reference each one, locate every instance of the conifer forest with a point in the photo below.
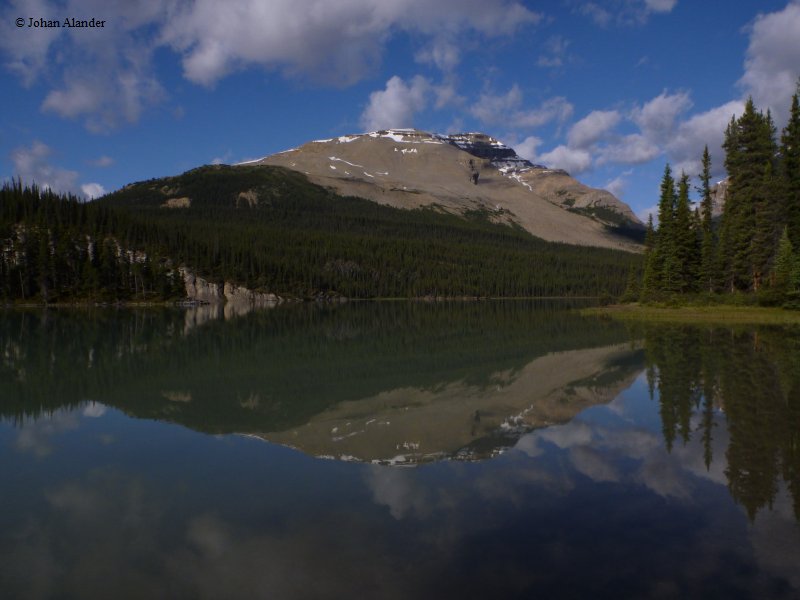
(750, 252)
(271, 230)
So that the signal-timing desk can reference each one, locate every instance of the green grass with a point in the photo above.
(718, 314)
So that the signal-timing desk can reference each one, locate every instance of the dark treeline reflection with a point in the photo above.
(753, 377)
(270, 369)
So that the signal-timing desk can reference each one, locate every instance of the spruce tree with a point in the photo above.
(684, 242)
(784, 264)
(749, 146)
(649, 278)
(767, 212)
(707, 268)
(790, 170)
(665, 261)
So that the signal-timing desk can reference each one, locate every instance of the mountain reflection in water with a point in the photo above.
(628, 462)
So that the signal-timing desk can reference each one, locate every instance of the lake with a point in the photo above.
(508, 449)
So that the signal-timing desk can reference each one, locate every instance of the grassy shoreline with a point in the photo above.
(714, 314)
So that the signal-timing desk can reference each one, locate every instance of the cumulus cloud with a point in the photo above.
(623, 12)
(508, 109)
(527, 147)
(592, 128)
(631, 149)
(93, 190)
(338, 42)
(685, 148)
(618, 185)
(107, 78)
(572, 160)
(442, 53)
(396, 105)
(657, 117)
(772, 64)
(32, 165)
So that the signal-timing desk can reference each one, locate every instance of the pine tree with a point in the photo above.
(749, 146)
(790, 170)
(708, 266)
(784, 264)
(767, 212)
(684, 241)
(665, 260)
(649, 278)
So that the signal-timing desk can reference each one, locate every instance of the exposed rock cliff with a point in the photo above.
(202, 290)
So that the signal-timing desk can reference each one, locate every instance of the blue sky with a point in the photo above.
(609, 90)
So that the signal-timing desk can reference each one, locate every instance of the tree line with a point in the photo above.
(55, 248)
(271, 230)
(752, 249)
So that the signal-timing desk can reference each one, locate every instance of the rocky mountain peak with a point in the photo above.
(464, 173)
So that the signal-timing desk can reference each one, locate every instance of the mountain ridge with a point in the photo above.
(459, 173)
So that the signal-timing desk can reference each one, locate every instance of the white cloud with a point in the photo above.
(495, 108)
(660, 6)
(26, 50)
(107, 78)
(772, 65)
(442, 53)
(555, 54)
(337, 42)
(572, 160)
(556, 109)
(624, 12)
(93, 190)
(596, 13)
(396, 105)
(685, 148)
(592, 128)
(657, 117)
(647, 212)
(102, 161)
(527, 147)
(617, 185)
(32, 165)
(508, 109)
(631, 149)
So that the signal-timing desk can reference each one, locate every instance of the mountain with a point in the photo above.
(265, 231)
(408, 168)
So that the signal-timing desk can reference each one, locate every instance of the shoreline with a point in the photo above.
(721, 314)
(332, 300)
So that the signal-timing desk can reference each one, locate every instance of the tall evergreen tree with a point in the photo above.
(790, 171)
(784, 269)
(768, 221)
(708, 266)
(665, 261)
(684, 237)
(649, 276)
(750, 147)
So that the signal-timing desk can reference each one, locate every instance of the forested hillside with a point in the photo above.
(270, 229)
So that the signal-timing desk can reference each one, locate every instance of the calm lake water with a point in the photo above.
(395, 450)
